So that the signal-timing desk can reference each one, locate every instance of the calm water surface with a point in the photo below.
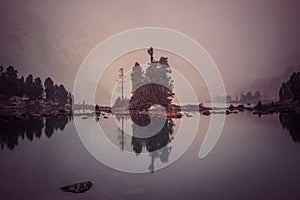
(255, 158)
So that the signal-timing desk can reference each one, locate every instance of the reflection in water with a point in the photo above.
(30, 128)
(149, 134)
(274, 161)
(53, 124)
(290, 121)
(121, 135)
(157, 144)
(153, 143)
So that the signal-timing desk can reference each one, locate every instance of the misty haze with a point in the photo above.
(149, 124)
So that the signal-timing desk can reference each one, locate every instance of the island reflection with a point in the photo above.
(14, 129)
(156, 143)
(290, 121)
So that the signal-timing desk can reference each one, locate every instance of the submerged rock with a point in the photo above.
(77, 187)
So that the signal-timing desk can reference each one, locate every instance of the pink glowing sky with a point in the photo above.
(248, 40)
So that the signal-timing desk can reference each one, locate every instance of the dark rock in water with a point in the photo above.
(206, 112)
(77, 187)
(241, 107)
(249, 108)
(258, 105)
(231, 107)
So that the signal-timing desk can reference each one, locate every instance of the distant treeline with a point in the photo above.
(243, 98)
(249, 97)
(12, 85)
(290, 90)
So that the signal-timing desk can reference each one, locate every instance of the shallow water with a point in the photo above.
(255, 158)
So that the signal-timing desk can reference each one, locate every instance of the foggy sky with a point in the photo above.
(248, 40)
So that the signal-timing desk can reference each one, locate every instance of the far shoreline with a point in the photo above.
(25, 108)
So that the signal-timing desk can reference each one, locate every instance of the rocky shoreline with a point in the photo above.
(25, 108)
(277, 107)
(260, 109)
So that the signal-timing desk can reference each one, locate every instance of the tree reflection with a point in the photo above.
(290, 121)
(53, 124)
(13, 129)
(157, 144)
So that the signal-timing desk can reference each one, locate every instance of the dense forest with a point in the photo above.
(290, 90)
(152, 86)
(33, 88)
